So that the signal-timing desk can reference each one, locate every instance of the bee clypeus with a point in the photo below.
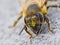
(35, 14)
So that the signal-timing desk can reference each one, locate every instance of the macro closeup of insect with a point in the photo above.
(35, 14)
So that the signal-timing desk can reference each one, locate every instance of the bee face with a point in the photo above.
(34, 22)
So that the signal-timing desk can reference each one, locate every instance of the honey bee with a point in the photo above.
(35, 14)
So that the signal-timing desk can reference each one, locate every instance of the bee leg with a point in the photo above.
(56, 6)
(28, 32)
(52, 0)
(17, 21)
(49, 27)
(47, 20)
(21, 30)
(14, 24)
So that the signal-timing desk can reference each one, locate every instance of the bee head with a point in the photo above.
(34, 21)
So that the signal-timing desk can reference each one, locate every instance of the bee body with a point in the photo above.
(35, 15)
